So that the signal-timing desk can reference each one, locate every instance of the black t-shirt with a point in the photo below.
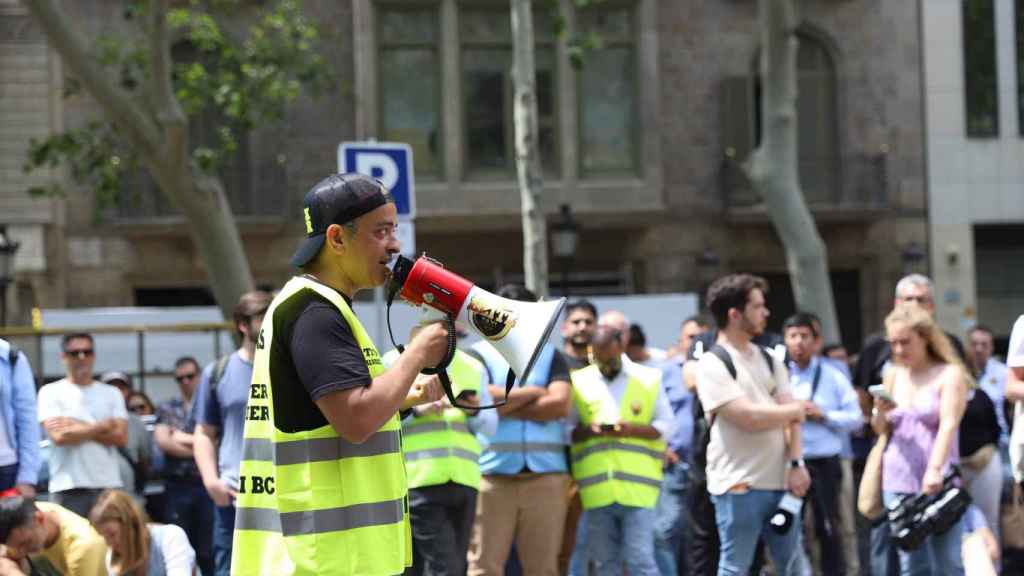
(874, 354)
(574, 363)
(979, 425)
(316, 350)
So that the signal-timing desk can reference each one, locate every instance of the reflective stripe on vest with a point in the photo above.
(612, 470)
(518, 443)
(321, 449)
(526, 447)
(310, 502)
(439, 448)
(323, 520)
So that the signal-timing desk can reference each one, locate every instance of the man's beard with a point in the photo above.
(611, 369)
(580, 340)
(751, 328)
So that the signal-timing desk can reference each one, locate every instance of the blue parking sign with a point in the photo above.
(389, 162)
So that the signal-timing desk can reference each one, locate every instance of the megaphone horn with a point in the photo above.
(517, 330)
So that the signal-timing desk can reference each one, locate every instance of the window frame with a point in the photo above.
(379, 46)
(601, 192)
(637, 168)
(469, 173)
(971, 131)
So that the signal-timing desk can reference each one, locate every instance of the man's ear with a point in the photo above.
(733, 314)
(334, 236)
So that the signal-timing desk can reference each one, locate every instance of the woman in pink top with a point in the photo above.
(929, 383)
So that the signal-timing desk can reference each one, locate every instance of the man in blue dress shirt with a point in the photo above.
(832, 412)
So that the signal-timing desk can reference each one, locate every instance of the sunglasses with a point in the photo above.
(918, 299)
(81, 353)
(181, 378)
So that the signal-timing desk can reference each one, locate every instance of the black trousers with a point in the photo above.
(704, 544)
(442, 522)
(826, 477)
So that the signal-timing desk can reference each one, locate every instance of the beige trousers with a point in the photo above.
(528, 509)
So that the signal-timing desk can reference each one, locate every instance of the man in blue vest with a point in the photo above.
(525, 474)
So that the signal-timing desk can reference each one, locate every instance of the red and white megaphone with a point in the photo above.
(517, 330)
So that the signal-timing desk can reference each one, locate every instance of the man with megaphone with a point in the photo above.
(323, 483)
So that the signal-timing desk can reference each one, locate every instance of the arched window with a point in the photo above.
(817, 118)
(817, 123)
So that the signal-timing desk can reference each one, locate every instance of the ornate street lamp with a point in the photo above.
(7, 249)
(912, 255)
(708, 264)
(565, 236)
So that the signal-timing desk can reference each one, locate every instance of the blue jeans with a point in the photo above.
(189, 506)
(742, 519)
(884, 560)
(579, 560)
(938, 556)
(223, 533)
(670, 524)
(618, 535)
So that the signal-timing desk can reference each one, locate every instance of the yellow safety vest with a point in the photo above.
(310, 502)
(612, 470)
(440, 448)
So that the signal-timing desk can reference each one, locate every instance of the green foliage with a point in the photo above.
(581, 42)
(235, 67)
(93, 154)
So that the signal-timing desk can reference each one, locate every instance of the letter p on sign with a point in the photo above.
(389, 162)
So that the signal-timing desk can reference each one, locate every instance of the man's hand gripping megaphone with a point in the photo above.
(518, 331)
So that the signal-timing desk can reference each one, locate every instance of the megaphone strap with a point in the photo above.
(442, 368)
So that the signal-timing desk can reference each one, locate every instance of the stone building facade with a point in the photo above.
(644, 143)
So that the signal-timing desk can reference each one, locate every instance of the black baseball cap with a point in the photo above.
(337, 199)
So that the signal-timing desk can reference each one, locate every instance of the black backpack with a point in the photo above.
(218, 371)
(702, 426)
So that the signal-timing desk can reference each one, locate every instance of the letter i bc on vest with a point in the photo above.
(256, 484)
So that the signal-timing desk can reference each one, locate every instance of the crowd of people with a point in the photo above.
(735, 451)
(611, 456)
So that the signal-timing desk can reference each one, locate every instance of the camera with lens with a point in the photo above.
(916, 517)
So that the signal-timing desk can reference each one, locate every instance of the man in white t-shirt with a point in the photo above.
(86, 420)
(1015, 393)
(750, 466)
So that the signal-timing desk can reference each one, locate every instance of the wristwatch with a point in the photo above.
(797, 463)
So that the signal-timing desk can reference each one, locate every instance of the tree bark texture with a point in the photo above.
(162, 143)
(528, 168)
(774, 171)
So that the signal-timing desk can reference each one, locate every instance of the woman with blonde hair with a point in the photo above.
(928, 383)
(137, 547)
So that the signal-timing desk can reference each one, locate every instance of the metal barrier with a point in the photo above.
(32, 341)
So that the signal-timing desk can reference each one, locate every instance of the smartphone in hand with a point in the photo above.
(879, 391)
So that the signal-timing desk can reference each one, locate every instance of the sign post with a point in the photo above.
(391, 163)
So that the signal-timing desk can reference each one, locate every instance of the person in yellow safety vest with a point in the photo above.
(619, 420)
(322, 488)
(442, 449)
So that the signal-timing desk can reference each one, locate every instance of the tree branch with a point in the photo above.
(117, 105)
(168, 111)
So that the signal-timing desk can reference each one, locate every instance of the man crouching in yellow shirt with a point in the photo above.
(44, 538)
